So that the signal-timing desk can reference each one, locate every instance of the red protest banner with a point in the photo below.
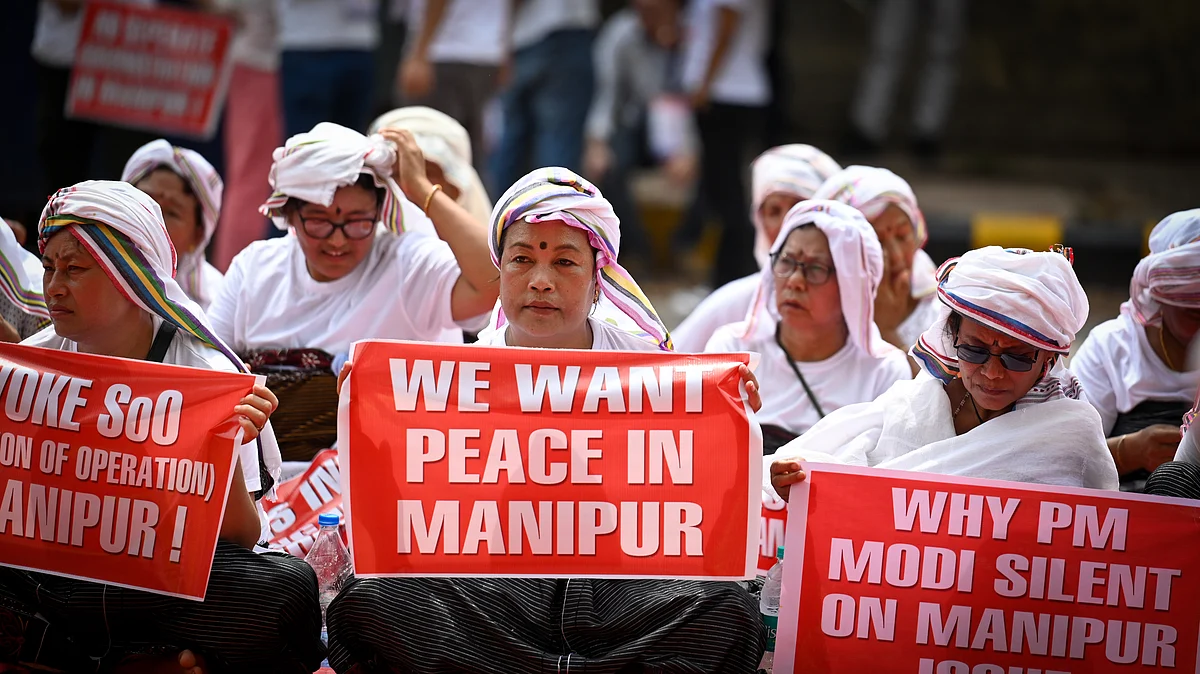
(771, 528)
(481, 461)
(156, 69)
(114, 470)
(943, 575)
(298, 502)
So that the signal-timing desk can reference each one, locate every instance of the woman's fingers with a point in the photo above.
(343, 374)
(753, 395)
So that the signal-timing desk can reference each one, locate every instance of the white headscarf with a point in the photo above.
(794, 169)
(857, 261)
(446, 143)
(312, 166)
(1170, 274)
(123, 229)
(871, 190)
(558, 194)
(205, 184)
(1033, 297)
(20, 275)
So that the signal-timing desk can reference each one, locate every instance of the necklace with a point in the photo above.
(1162, 344)
(962, 402)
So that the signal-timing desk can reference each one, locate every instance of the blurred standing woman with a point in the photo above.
(780, 178)
(1134, 368)
(555, 241)
(812, 322)
(905, 305)
(188, 190)
(108, 281)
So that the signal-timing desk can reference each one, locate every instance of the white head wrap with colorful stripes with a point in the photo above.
(558, 194)
(122, 228)
(794, 169)
(206, 186)
(1170, 274)
(312, 166)
(1033, 297)
(446, 143)
(20, 275)
(857, 261)
(871, 189)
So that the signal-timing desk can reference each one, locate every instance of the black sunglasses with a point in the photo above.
(977, 355)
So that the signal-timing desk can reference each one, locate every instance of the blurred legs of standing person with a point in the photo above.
(894, 27)
(727, 133)
(331, 85)
(462, 90)
(627, 143)
(545, 106)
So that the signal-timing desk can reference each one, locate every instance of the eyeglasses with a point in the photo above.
(814, 274)
(323, 228)
(977, 355)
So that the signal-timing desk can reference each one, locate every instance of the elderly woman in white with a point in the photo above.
(812, 322)
(993, 401)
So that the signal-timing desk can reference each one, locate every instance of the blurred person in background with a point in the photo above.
(725, 74)
(1135, 368)
(895, 25)
(781, 178)
(546, 101)
(22, 307)
(456, 54)
(94, 150)
(637, 63)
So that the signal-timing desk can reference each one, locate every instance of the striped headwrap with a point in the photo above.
(857, 261)
(205, 184)
(312, 166)
(558, 194)
(20, 275)
(794, 169)
(871, 190)
(122, 228)
(1170, 274)
(1033, 297)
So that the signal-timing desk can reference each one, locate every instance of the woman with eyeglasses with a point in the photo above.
(812, 322)
(1134, 368)
(374, 249)
(994, 401)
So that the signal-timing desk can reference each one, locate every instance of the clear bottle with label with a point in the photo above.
(768, 607)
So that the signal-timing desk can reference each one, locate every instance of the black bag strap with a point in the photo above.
(162, 342)
(811, 398)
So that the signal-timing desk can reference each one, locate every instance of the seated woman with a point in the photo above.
(22, 309)
(360, 260)
(188, 190)
(1134, 368)
(812, 322)
(905, 305)
(993, 400)
(261, 611)
(447, 149)
(555, 240)
(781, 178)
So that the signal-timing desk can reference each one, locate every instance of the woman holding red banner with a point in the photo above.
(993, 401)
(555, 240)
(813, 322)
(108, 281)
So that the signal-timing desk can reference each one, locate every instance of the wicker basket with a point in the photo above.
(306, 421)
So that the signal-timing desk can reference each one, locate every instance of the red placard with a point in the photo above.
(155, 69)
(293, 510)
(483, 461)
(933, 574)
(772, 526)
(115, 470)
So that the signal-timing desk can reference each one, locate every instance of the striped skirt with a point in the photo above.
(531, 625)
(260, 614)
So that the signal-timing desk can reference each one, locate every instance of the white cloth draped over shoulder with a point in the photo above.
(199, 279)
(1052, 436)
(20, 275)
(864, 368)
(122, 228)
(446, 143)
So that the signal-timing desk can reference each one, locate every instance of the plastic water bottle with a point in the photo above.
(331, 560)
(768, 607)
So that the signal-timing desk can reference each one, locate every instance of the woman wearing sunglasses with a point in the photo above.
(812, 322)
(993, 401)
(374, 249)
(1134, 368)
